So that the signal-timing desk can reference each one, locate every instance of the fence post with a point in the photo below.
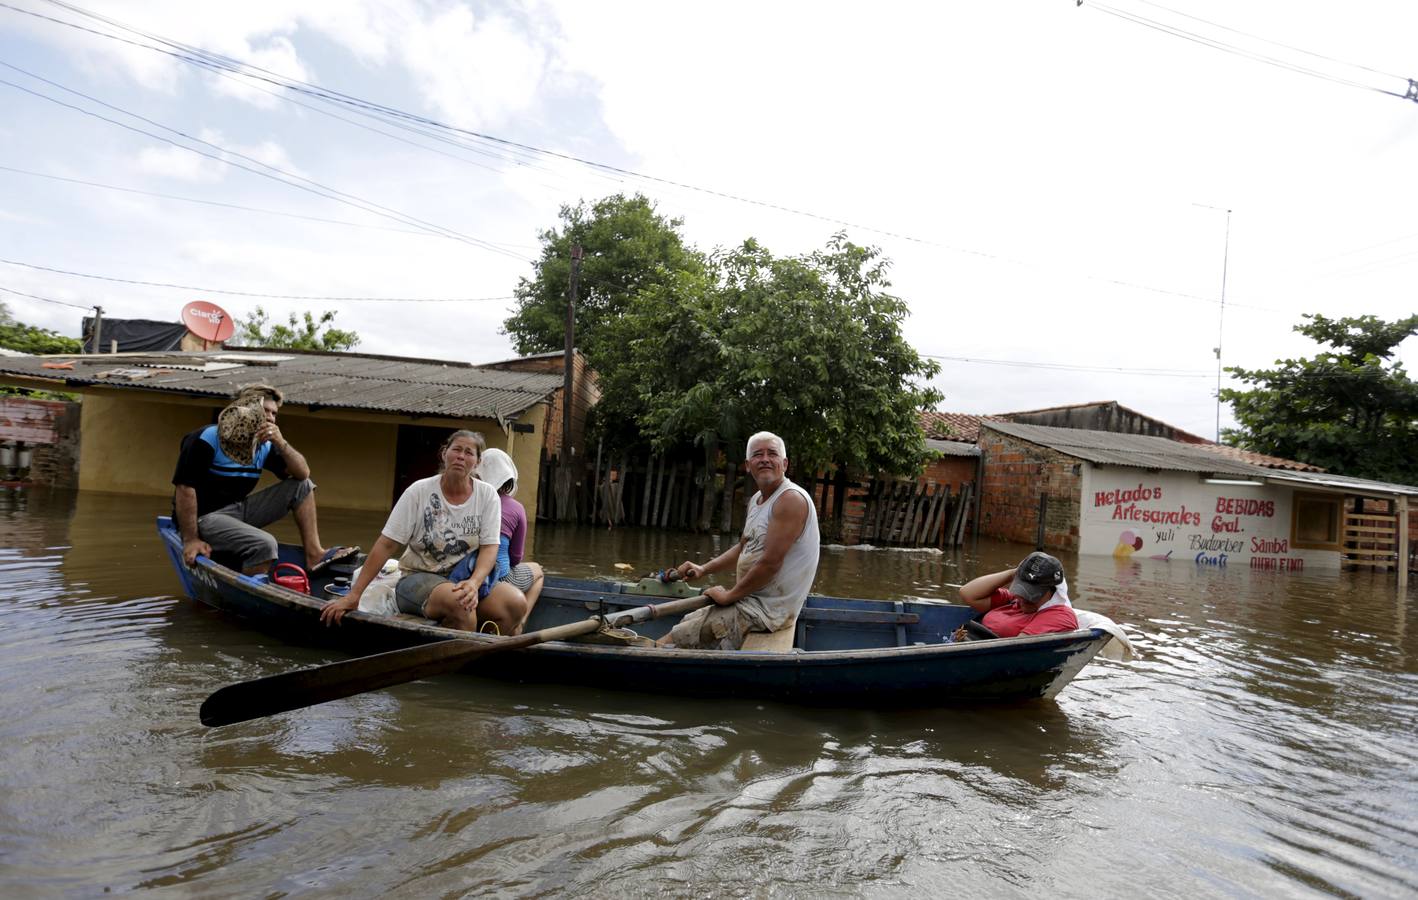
(1043, 512)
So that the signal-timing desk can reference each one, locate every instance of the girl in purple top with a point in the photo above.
(498, 470)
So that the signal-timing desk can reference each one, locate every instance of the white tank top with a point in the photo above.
(781, 598)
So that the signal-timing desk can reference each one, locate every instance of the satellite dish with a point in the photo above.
(208, 321)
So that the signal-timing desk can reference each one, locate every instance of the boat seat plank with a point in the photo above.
(780, 641)
(862, 616)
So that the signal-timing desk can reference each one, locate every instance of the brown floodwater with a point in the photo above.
(1263, 746)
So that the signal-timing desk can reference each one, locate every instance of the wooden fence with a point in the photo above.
(915, 514)
(1370, 539)
(679, 493)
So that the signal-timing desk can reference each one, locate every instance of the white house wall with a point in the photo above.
(1177, 516)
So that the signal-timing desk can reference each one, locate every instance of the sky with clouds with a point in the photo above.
(1050, 180)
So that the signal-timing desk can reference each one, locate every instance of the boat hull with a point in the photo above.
(848, 652)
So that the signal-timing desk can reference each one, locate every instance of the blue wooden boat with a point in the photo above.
(845, 652)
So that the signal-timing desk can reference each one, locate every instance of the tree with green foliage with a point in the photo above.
(38, 341)
(1351, 410)
(627, 247)
(307, 333)
(30, 339)
(809, 347)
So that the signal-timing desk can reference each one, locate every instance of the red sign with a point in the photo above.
(208, 321)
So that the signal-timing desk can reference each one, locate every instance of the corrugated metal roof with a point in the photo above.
(1147, 452)
(1139, 450)
(1343, 482)
(327, 380)
(952, 448)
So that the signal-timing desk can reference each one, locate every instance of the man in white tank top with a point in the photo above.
(774, 561)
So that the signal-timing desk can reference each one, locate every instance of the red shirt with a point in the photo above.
(1007, 619)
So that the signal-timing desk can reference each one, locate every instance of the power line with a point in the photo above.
(287, 178)
(1166, 373)
(1238, 51)
(269, 212)
(227, 68)
(218, 64)
(45, 299)
(210, 290)
(1257, 37)
(1162, 373)
(332, 96)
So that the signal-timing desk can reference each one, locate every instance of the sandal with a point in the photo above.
(332, 556)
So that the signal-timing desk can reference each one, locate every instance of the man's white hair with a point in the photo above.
(766, 436)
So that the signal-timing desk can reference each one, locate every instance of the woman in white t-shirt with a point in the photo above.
(437, 523)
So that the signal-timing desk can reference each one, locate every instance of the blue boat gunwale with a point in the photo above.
(427, 632)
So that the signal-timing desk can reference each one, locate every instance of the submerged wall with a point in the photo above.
(130, 442)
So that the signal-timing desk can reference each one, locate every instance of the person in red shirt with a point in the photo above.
(1032, 604)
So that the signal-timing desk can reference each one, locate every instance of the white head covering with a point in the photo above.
(1060, 597)
(497, 468)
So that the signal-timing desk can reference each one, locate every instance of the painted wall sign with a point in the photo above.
(1176, 516)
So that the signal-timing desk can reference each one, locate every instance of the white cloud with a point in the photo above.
(182, 165)
(277, 56)
(185, 165)
(1043, 159)
(475, 71)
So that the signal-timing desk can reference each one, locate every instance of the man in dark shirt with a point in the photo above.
(217, 468)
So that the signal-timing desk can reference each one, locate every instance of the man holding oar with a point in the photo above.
(774, 561)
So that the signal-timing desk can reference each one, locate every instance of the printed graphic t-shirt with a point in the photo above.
(438, 534)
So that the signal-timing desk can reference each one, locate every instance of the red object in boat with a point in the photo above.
(290, 575)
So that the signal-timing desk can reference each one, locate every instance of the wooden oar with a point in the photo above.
(300, 688)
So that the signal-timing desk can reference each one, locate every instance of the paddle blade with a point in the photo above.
(298, 689)
(286, 691)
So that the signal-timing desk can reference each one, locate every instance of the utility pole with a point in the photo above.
(98, 328)
(1221, 316)
(564, 493)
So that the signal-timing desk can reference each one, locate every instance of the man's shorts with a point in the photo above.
(713, 628)
(238, 528)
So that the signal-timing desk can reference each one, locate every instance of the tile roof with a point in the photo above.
(1260, 459)
(948, 426)
(319, 380)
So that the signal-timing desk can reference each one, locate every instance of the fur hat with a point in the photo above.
(236, 431)
(497, 468)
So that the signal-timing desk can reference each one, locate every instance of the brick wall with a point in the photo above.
(586, 393)
(1015, 474)
(57, 464)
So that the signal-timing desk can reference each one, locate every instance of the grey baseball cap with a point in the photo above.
(1037, 574)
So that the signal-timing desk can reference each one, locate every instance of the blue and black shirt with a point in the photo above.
(218, 479)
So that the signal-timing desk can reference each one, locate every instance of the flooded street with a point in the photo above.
(1265, 744)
